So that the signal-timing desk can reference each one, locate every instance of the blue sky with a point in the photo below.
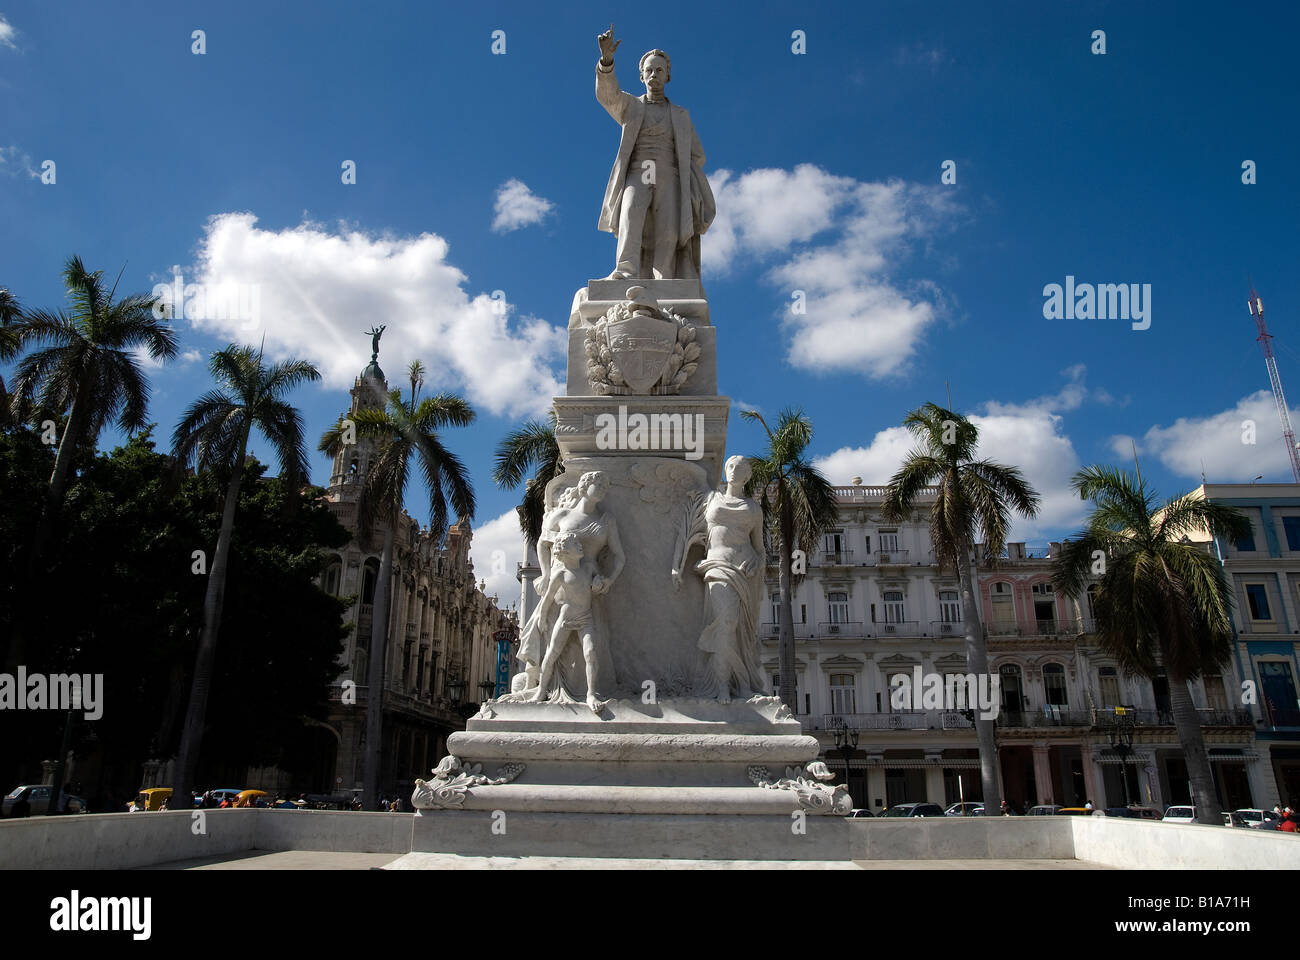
(1117, 168)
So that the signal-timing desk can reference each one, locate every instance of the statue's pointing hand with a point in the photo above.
(608, 44)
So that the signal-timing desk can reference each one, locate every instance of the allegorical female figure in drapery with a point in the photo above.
(730, 526)
(576, 512)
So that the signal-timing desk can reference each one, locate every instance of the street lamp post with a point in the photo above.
(1121, 741)
(485, 689)
(846, 741)
(455, 690)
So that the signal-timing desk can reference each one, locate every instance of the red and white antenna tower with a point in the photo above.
(1257, 311)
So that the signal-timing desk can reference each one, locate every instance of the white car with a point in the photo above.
(1179, 815)
(1259, 819)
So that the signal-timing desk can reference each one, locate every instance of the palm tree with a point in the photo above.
(87, 370)
(532, 446)
(400, 429)
(800, 502)
(973, 502)
(1160, 602)
(213, 434)
(10, 313)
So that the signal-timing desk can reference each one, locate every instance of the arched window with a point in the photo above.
(1044, 606)
(894, 612)
(368, 581)
(949, 606)
(842, 698)
(839, 606)
(329, 581)
(1004, 608)
(1108, 686)
(1054, 685)
(1012, 689)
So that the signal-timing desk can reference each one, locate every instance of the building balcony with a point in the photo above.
(841, 628)
(947, 628)
(837, 558)
(898, 720)
(1038, 628)
(898, 630)
(1051, 717)
(893, 558)
(772, 631)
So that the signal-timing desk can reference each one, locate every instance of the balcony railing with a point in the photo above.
(802, 631)
(947, 628)
(900, 628)
(1039, 628)
(840, 628)
(899, 720)
(838, 558)
(1055, 717)
(892, 557)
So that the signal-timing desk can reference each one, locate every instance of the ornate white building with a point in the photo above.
(441, 648)
(874, 605)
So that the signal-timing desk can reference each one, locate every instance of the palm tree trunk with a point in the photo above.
(786, 641)
(213, 601)
(1188, 724)
(68, 445)
(977, 662)
(375, 675)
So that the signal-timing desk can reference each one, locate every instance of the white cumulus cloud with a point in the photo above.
(494, 550)
(1220, 443)
(7, 34)
(517, 206)
(1030, 436)
(834, 242)
(317, 291)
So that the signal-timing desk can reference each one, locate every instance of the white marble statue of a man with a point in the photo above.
(658, 200)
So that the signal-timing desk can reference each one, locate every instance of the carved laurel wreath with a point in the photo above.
(603, 371)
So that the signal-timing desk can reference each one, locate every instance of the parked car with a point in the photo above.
(858, 813)
(1076, 812)
(250, 798)
(1259, 819)
(224, 793)
(1044, 810)
(1179, 815)
(914, 809)
(33, 799)
(1234, 819)
(971, 808)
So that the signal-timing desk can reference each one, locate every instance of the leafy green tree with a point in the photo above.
(531, 447)
(405, 434)
(84, 367)
(1160, 602)
(213, 435)
(973, 501)
(130, 608)
(800, 502)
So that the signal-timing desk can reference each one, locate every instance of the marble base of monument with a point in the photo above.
(683, 778)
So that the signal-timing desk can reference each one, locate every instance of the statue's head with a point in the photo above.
(738, 469)
(593, 484)
(567, 547)
(656, 70)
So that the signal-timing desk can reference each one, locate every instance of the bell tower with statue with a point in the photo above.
(637, 724)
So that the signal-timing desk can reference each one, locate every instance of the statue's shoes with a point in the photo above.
(619, 274)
